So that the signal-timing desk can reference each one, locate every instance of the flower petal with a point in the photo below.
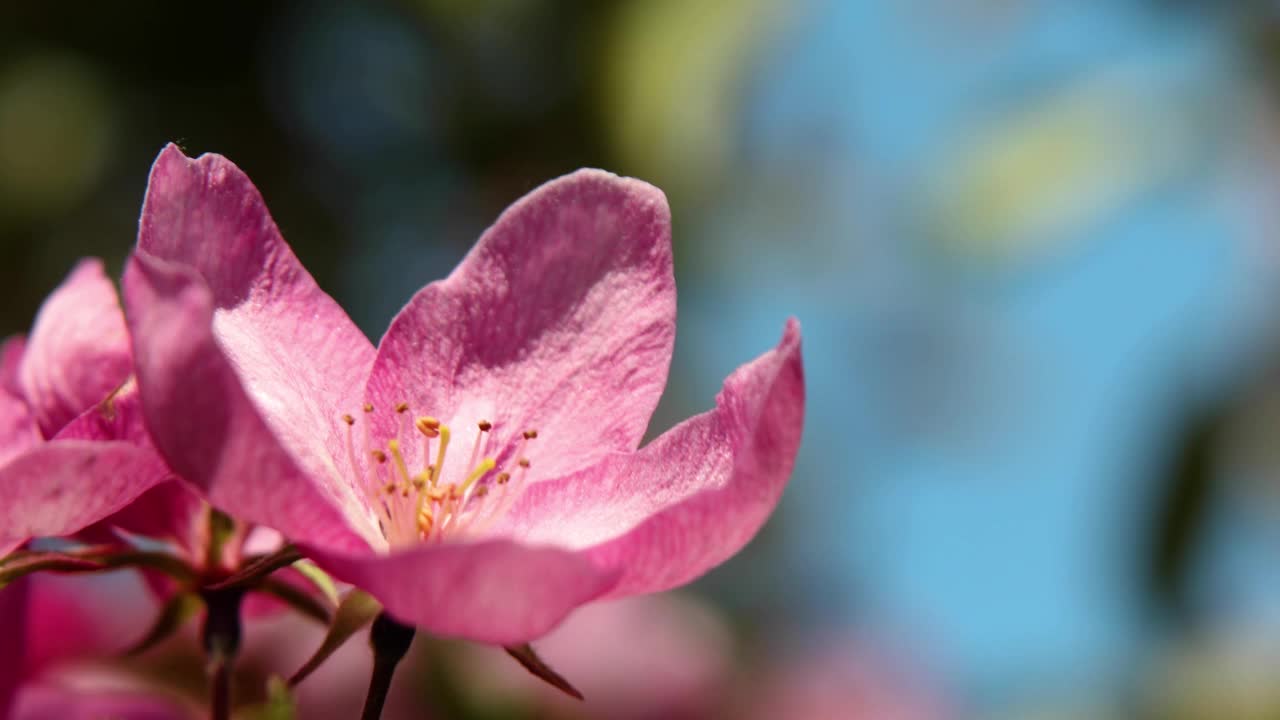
(78, 351)
(170, 511)
(562, 318)
(285, 336)
(63, 486)
(292, 348)
(18, 431)
(497, 591)
(204, 423)
(690, 499)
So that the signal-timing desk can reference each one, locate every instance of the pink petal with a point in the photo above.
(78, 351)
(63, 486)
(289, 345)
(18, 430)
(170, 511)
(11, 352)
(690, 499)
(13, 628)
(206, 426)
(561, 318)
(496, 592)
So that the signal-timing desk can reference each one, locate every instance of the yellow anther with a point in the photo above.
(428, 426)
(485, 466)
(346, 418)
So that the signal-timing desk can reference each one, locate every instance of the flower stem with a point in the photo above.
(220, 690)
(390, 641)
(221, 640)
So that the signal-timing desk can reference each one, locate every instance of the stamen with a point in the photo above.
(427, 425)
(356, 469)
(444, 447)
(394, 446)
(402, 417)
(475, 448)
(485, 466)
(424, 505)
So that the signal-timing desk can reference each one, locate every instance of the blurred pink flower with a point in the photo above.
(72, 444)
(838, 677)
(652, 657)
(543, 353)
(58, 632)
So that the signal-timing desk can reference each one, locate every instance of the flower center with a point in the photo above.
(421, 501)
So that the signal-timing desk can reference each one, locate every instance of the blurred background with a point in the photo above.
(1035, 248)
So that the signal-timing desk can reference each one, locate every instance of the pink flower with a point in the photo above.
(478, 472)
(72, 444)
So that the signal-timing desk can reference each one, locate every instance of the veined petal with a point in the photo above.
(292, 349)
(497, 591)
(18, 431)
(209, 430)
(562, 318)
(63, 486)
(78, 351)
(690, 499)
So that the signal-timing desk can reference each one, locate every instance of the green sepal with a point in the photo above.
(279, 704)
(175, 613)
(525, 655)
(320, 579)
(21, 563)
(297, 598)
(356, 610)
